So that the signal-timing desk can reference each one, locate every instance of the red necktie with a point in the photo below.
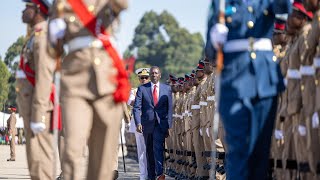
(155, 95)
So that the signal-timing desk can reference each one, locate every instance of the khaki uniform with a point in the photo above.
(287, 128)
(174, 132)
(11, 124)
(87, 87)
(204, 118)
(195, 127)
(277, 145)
(188, 137)
(39, 147)
(308, 90)
(295, 100)
(311, 93)
(180, 131)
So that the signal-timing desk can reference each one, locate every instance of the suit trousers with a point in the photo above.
(141, 150)
(155, 148)
(97, 122)
(239, 116)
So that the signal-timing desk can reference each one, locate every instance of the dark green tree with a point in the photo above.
(12, 61)
(175, 50)
(4, 87)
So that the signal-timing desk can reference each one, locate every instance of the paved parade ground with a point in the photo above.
(18, 170)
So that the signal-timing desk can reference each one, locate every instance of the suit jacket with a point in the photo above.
(146, 113)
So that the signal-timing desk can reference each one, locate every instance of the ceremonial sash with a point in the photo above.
(30, 74)
(97, 30)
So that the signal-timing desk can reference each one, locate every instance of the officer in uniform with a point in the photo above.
(143, 75)
(250, 82)
(204, 109)
(94, 83)
(173, 131)
(310, 95)
(191, 152)
(34, 91)
(11, 125)
(280, 44)
(186, 125)
(294, 80)
(180, 127)
(195, 124)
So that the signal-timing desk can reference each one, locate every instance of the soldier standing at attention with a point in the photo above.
(250, 81)
(94, 83)
(11, 125)
(195, 124)
(34, 91)
(143, 75)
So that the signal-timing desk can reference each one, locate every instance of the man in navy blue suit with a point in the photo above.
(153, 117)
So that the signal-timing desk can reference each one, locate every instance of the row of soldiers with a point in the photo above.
(189, 145)
(295, 141)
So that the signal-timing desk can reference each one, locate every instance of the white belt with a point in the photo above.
(84, 42)
(184, 114)
(210, 98)
(195, 107)
(20, 74)
(293, 74)
(203, 103)
(316, 62)
(180, 116)
(190, 114)
(174, 115)
(307, 70)
(238, 45)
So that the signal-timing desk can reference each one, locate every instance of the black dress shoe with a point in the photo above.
(115, 174)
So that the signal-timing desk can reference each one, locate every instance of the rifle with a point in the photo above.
(219, 68)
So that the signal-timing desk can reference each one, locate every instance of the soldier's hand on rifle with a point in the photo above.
(37, 127)
(139, 128)
(218, 35)
(57, 29)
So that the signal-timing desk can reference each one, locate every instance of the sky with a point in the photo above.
(191, 14)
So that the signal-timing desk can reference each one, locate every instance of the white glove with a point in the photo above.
(315, 120)
(218, 34)
(207, 131)
(57, 30)
(200, 132)
(37, 127)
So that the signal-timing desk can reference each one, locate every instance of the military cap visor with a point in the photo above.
(143, 71)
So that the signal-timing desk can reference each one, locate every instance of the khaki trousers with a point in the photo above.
(40, 151)
(198, 148)
(98, 123)
(13, 146)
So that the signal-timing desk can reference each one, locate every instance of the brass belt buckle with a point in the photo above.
(251, 42)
